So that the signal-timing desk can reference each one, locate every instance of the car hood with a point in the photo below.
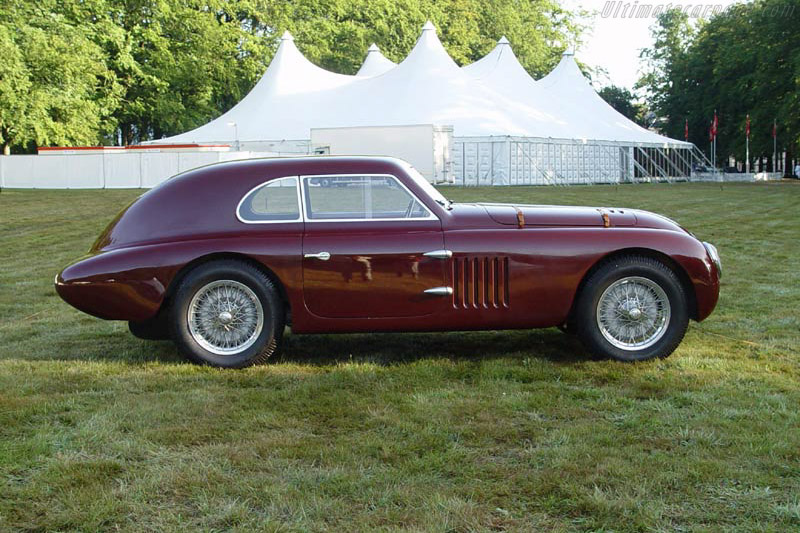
(554, 215)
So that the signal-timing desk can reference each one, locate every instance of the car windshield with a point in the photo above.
(426, 186)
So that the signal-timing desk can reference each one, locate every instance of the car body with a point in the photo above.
(434, 266)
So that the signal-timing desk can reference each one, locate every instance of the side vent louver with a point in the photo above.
(480, 282)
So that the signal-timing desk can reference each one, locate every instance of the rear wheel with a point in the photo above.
(632, 309)
(227, 314)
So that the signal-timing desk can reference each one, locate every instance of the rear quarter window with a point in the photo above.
(274, 201)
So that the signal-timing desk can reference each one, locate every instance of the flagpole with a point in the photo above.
(714, 161)
(747, 146)
(747, 156)
(774, 144)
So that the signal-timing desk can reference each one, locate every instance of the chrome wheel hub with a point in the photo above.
(633, 313)
(225, 317)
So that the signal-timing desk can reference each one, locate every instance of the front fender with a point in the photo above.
(687, 252)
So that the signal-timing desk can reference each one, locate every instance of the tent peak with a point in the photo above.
(568, 53)
(503, 40)
(287, 36)
(375, 63)
(429, 26)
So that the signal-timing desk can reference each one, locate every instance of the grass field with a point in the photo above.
(493, 431)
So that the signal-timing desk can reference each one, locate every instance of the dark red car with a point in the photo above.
(221, 258)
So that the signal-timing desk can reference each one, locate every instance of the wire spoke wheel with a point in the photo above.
(633, 313)
(225, 317)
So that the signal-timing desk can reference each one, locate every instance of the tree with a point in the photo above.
(742, 61)
(183, 63)
(334, 34)
(623, 101)
(55, 87)
(14, 87)
(664, 81)
(82, 71)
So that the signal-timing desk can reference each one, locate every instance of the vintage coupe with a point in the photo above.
(222, 257)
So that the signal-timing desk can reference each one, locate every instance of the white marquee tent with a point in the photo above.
(375, 63)
(508, 127)
(575, 110)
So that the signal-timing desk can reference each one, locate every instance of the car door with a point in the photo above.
(364, 249)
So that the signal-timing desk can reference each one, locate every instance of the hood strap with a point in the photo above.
(606, 218)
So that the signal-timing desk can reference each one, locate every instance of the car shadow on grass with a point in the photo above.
(400, 348)
(328, 350)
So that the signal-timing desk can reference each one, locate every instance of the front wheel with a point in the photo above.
(227, 314)
(632, 309)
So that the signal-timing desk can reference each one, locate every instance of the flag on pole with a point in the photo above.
(711, 131)
(775, 128)
(686, 130)
(747, 126)
(714, 125)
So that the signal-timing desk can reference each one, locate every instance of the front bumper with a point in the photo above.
(713, 254)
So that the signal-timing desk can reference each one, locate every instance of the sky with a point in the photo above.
(613, 42)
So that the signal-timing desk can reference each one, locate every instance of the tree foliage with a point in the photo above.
(742, 61)
(55, 87)
(623, 101)
(89, 71)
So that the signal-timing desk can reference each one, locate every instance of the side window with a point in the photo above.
(275, 201)
(360, 197)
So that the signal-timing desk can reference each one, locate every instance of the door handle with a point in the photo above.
(322, 256)
(439, 291)
(439, 254)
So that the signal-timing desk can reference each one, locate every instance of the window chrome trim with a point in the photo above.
(304, 178)
(300, 218)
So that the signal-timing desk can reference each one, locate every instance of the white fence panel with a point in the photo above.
(114, 171)
(85, 172)
(156, 168)
(123, 171)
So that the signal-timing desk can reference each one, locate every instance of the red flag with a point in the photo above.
(686, 130)
(774, 129)
(747, 126)
(711, 131)
(714, 125)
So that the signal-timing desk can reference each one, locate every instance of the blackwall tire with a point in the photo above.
(227, 314)
(632, 308)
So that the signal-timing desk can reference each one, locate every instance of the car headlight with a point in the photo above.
(714, 255)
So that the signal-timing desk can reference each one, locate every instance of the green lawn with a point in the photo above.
(516, 431)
